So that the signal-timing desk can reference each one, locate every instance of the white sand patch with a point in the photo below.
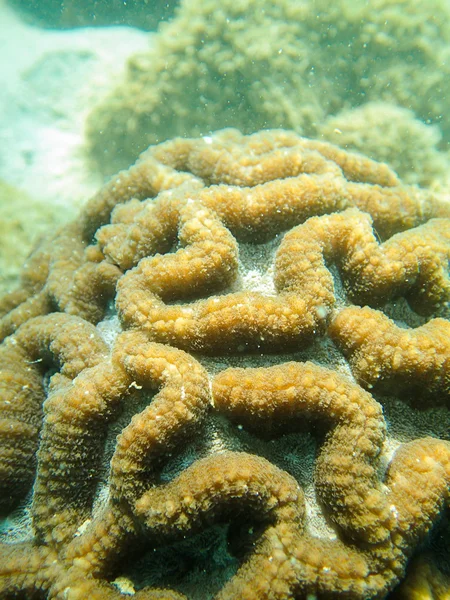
(50, 82)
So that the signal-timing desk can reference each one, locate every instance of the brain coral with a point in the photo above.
(275, 64)
(230, 378)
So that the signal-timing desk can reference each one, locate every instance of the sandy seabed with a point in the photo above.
(51, 80)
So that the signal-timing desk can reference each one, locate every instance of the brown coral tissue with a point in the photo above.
(230, 379)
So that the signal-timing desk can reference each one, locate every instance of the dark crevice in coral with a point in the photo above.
(197, 566)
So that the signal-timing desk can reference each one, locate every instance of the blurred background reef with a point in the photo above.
(94, 83)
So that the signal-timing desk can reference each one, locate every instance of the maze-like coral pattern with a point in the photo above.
(167, 247)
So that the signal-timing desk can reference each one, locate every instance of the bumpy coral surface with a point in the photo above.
(230, 378)
(391, 134)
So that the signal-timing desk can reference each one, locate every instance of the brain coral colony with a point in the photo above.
(230, 378)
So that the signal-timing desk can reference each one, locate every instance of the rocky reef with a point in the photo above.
(230, 378)
(283, 64)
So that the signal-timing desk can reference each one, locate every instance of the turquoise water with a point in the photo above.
(89, 85)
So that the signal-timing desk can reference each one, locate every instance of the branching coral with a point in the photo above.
(243, 251)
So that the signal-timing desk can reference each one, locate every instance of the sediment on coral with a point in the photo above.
(219, 300)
